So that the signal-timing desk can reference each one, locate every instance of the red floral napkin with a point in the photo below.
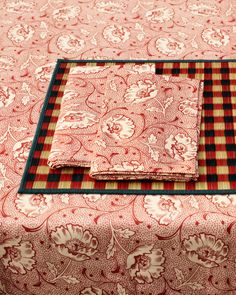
(149, 128)
(80, 111)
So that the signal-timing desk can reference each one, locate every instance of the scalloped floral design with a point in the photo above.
(74, 242)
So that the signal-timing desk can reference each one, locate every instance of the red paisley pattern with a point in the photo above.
(132, 244)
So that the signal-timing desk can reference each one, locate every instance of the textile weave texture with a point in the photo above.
(217, 149)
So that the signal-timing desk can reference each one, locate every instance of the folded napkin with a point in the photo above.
(149, 128)
(80, 111)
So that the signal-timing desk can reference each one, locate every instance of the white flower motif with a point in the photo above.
(17, 255)
(66, 13)
(215, 37)
(6, 62)
(223, 201)
(141, 91)
(116, 34)
(76, 119)
(7, 95)
(19, 6)
(143, 68)
(33, 205)
(70, 43)
(21, 149)
(118, 126)
(154, 154)
(128, 166)
(110, 7)
(20, 33)
(74, 242)
(91, 291)
(181, 147)
(189, 106)
(160, 15)
(152, 139)
(94, 197)
(203, 9)
(44, 72)
(205, 250)
(170, 46)
(145, 264)
(163, 209)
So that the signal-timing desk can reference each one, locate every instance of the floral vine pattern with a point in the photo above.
(81, 105)
(142, 121)
(99, 244)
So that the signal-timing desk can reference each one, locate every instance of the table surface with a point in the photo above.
(100, 244)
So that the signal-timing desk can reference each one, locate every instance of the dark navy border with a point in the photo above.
(24, 190)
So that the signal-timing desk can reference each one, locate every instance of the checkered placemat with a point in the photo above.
(217, 150)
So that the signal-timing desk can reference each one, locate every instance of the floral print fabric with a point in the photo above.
(80, 112)
(160, 244)
(149, 128)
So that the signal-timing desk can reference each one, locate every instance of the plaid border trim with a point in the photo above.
(56, 90)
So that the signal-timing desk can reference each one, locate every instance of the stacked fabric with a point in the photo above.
(80, 111)
(125, 122)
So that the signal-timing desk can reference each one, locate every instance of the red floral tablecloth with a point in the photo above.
(100, 244)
